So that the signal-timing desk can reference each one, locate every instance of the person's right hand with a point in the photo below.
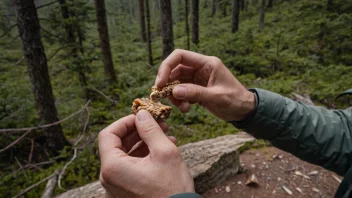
(205, 80)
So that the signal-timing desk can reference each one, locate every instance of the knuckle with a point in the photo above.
(105, 174)
(170, 152)
(215, 61)
(197, 94)
(177, 51)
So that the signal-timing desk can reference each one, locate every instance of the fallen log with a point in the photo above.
(210, 162)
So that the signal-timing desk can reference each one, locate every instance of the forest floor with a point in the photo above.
(275, 170)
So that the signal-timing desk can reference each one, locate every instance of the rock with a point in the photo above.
(301, 174)
(313, 173)
(216, 190)
(252, 181)
(253, 165)
(210, 162)
(239, 183)
(228, 189)
(316, 190)
(336, 178)
(299, 190)
(287, 190)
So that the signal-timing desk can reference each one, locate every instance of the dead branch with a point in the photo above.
(50, 187)
(44, 5)
(66, 165)
(31, 153)
(35, 185)
(8, 30)
(21, 168)
(45, 125)
(114, 102)
(38, 164)
(16, 141)
(19, 60)
(57, 50)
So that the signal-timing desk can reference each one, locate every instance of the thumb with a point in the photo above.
(150, 132)
(192, 92)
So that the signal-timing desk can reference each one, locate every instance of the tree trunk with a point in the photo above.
(166, 27)
(213, 8)
(29, 30)
(262, 15)
(186, 20)
(235, 16)
(246, 2)
(329, 5)
(242, 4)
(270, 4)
(224, 8)
(195, 21)
(142, 20)
(81, 74)
(149, 37)
(104, 39)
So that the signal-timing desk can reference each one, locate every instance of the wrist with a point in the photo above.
(249, 105)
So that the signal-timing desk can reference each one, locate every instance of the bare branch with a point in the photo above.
(8, 30)
(45, 125)
(38, 164)
(31, 153)
(21, 168)
(16, 141)
(35, 185)
(44, 5)
(56, 51)
(50, 188)
(66, 165)
(49, 33)
(114, 102)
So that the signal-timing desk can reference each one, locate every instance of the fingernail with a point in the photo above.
(157, 80)
(143, 115)
(180, 92)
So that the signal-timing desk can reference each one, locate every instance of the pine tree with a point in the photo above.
(34, 53)
(166, 28)
(195, 21)
(104, 39)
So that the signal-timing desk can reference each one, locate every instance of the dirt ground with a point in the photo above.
(276, 171)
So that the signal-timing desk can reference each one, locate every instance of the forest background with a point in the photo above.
(83, 63)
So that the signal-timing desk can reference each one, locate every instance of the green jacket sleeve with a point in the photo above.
(314, 134)
(186, 195)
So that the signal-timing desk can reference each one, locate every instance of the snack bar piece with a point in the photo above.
(160, 93)
(156, 109)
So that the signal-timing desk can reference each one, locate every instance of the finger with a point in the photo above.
(141, 148)
(177, 57)
(109, 139)
(133, 138)
(183, 106)
(182, 71)
(150, 132)
(192, 92)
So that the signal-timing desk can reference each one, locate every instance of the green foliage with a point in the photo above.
(303, 48)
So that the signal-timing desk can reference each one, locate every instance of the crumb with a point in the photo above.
(160, 93)
(156, 109)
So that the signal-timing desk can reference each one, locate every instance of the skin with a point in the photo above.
(138, 159)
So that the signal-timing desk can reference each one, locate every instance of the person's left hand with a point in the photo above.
(131, 168)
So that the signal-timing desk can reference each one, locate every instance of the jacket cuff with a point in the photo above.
(186, 195)
(265, 115)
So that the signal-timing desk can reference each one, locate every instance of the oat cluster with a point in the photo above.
(153, 105)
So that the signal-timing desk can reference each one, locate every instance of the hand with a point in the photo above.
(207, 82)
(153, 168)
